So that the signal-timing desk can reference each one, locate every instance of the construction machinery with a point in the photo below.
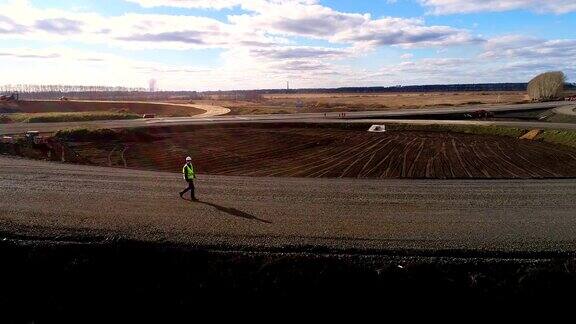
(33, 137)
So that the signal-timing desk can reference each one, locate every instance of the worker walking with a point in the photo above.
(189, 176)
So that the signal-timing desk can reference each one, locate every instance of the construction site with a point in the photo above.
(422, 197)
(468, 198)
(159, 155)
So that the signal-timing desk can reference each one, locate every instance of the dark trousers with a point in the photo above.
(190, 188)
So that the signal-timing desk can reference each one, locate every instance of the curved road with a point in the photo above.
(569, 109)
(69, 202)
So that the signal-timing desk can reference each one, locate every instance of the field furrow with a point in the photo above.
(292, 151)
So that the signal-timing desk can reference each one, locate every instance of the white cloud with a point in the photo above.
(299, 52)
(19, 19)
(361, 30)
(522, 47)
(206, 4)
(260, 48)
(254, 5)
(307, 18)
(526, 56)
(442, 7)
(268, 23)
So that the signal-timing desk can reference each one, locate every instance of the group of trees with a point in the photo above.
(414, 88)
(247, 95)
(33, 88)
(33, 91)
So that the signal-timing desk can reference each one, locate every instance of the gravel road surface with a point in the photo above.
(64, 201)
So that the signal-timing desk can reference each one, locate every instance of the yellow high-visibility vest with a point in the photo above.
(188, 171)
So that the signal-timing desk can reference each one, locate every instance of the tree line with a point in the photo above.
(32, 88)
(30, 91)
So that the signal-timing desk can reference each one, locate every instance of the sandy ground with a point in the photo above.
(329, 102)
(210, 110)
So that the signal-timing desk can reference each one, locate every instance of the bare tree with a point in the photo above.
(547, 86)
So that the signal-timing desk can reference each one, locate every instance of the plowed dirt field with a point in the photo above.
(305, 151)
(159, 109)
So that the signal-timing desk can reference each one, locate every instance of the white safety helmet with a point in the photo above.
(188, 159)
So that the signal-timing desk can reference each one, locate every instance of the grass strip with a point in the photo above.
(57, 117)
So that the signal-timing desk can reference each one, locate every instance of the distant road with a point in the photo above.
(569, 109)
(210, 110)
(400, 115)
(74, 202)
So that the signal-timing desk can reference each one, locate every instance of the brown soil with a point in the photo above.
(77, 106)
(332, 151)
(335, 102)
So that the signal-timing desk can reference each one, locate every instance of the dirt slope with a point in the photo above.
(160, 109)
(299, 151)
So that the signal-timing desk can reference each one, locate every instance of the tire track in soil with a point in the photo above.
(312, 159)
(431, 161)
(360, 157)
(356, 157)
(357, 149)
(337, 152)
(389, 158)
(362, 173)
(396, 165)
(281, 153)
(565, 158)
(460, 158)
(269, 154)
(506, 160)
(543, 168)
(384, 159)
(446, 161)
(484, 163)
(415, 161)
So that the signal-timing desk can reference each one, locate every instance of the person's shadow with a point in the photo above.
(232, 211)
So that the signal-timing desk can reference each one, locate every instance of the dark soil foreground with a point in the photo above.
(49, 279)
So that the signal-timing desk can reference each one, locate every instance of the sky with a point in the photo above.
(252, 44)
